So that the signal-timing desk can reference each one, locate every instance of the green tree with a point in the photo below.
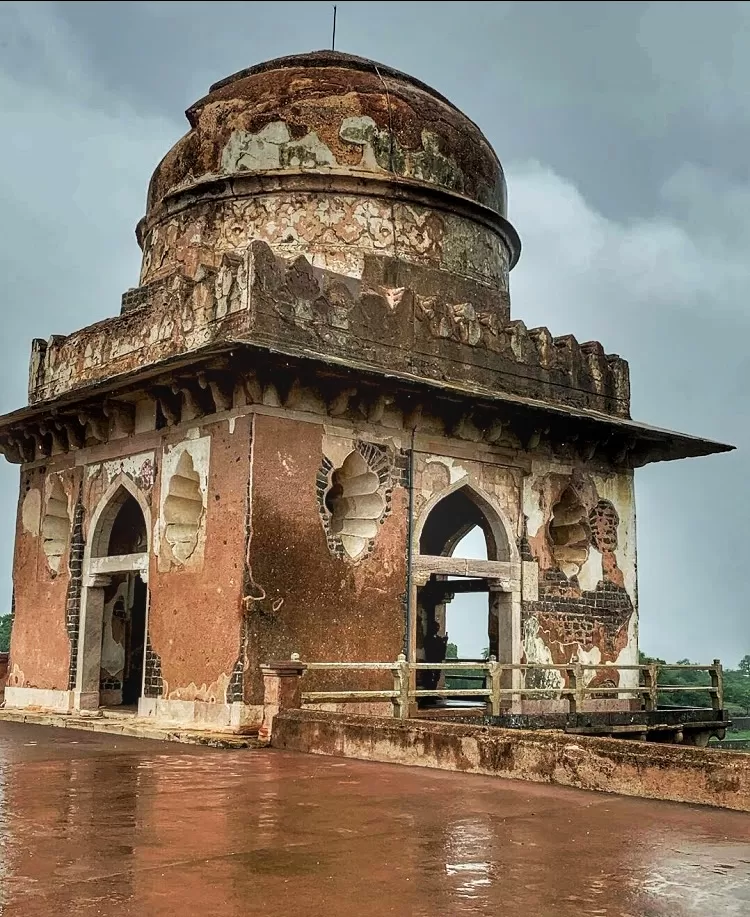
(4, 633)
(744, 666)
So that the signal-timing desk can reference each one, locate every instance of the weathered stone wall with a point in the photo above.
(281, 528)
(307, 594)
(40, 642)
(195, 583)
(647, 769)
(414, 320)
(580, 530)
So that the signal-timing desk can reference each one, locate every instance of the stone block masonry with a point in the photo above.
(698, 776)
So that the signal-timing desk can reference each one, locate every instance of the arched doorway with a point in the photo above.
(465, 599)
(112, 644)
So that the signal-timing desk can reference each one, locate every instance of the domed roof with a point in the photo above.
(311, 119)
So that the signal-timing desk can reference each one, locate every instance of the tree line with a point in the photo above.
(736, 685)
(4, 633)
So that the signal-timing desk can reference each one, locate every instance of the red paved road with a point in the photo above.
(96, 825)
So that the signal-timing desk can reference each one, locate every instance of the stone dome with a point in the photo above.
(335, 157)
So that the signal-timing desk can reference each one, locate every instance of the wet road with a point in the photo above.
(99, 825)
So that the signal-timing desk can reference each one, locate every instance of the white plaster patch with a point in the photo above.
(255, 152)
(537, 651)
(591, 572)
(188, 461)
(139, 468)
(273, 148)
(455, 471)
(532, 508)
(113, 652)
(56, 523)
(628, 655)
(41, 698)
(530, 581)
(232, 423)
(588, 657)
(619, 490)
(336, 448)
(31, 512)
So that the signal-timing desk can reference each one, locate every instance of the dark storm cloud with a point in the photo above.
(624, 129)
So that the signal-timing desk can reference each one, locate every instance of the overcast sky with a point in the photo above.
(624, 129)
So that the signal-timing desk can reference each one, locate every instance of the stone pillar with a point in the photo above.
(282, 690)
(86, 695)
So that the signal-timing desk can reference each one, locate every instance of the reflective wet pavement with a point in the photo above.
(100, 825)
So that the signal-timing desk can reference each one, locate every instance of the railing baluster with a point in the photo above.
(650, 681)
(495, 675)
(402, 686)
(717, 682)
(403, 695)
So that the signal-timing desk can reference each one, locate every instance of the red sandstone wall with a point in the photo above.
(40, 647)
(307, 600)
(195, 611)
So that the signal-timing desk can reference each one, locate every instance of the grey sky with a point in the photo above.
(624, 129)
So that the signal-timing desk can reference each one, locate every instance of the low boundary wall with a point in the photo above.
(650, 770)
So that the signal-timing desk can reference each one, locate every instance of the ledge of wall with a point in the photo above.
(692, 775)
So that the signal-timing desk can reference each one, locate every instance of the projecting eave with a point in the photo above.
(644, 444)
(623, 441)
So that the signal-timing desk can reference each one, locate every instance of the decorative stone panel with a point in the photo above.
(355, 498)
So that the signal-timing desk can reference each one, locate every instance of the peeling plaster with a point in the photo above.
(591, 572)
(455, 471)
(199, 451)
(31, 512)
(113, 650)
(537, 651)
(139, 468)
(212, 694)
(620, 491)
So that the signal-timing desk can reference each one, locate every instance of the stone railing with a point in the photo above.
(500, 684)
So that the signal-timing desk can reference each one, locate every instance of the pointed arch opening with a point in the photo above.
(462, 614)
(115, 602)
(457, 514)
(120, 528)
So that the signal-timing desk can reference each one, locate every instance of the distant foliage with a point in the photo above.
(736, 686)
(4, 633)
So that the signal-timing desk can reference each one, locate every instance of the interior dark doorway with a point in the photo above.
(135, 645)
(122, 539)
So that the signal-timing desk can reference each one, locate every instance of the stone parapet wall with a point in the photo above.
(653, 771)
(425, 324)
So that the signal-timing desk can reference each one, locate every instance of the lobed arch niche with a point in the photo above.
(467, 575)
(114, 607)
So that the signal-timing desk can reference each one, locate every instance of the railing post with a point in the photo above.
(575, 681)
(495, 676)
(282, 690)
(401, 684)
(717, 682)
(651, 682)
